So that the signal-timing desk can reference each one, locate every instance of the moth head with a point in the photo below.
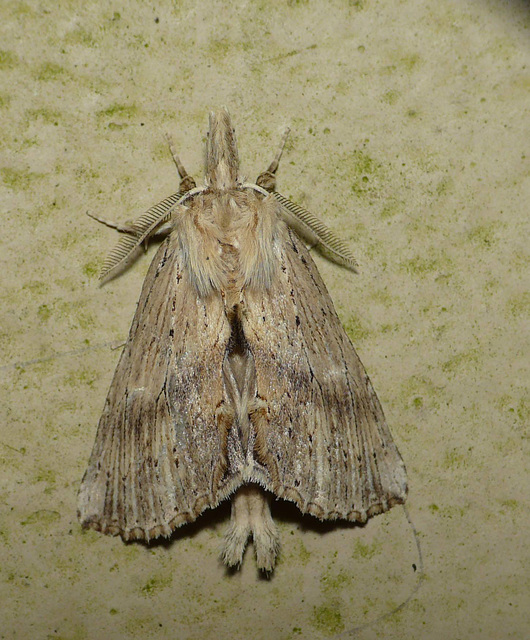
(222, 160)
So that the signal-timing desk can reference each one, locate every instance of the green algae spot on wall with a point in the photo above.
(42, 517)
(355, 329)
(92, 268)
(155, 584)
(18, 180)
(327, 618)
(8, 60)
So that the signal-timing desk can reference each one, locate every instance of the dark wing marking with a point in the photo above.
(158, 460)
(322, 441)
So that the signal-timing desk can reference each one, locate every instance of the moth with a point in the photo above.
(237, 378)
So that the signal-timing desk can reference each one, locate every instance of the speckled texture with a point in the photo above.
(409, 125)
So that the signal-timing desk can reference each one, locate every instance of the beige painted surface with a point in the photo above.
(410, 138)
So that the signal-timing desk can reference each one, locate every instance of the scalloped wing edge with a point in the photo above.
(203, 502)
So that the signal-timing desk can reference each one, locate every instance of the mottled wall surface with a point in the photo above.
(410, 139)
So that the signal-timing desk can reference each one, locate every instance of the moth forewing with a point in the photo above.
(237, 378)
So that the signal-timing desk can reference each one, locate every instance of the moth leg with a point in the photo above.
(130, 228)
(251, 516)
(258, 413)
(162, 231)
(224, 416)
(186, 181)
(127, 227)
(267, 179)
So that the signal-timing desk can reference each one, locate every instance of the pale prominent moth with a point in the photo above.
(237, 379)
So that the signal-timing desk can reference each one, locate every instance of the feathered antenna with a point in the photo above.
(301, 220)
(139, 231)
(309, 225)
(135, 234)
